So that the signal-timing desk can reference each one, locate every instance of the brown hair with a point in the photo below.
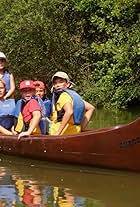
(3, 82)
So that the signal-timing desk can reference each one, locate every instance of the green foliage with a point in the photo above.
(113, 38)
(97, 42)
(35, 36)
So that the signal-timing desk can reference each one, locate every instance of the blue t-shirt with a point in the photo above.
(7, 107)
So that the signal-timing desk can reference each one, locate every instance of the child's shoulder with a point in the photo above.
(33, 101)
(6, 71)
(65, 94)
(65, 97)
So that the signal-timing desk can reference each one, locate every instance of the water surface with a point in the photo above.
(105, 118)
(26, 182)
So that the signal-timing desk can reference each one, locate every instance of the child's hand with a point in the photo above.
(13, 131)
(23, 134)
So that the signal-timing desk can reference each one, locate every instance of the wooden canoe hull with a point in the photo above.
(116, 147)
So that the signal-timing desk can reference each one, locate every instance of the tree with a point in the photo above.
(97, 42)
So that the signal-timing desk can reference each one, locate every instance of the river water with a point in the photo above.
(25, 182)
(105, 118)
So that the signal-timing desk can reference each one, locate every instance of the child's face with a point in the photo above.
(2, 63)
(27, 93)
(39, 92)
(60, 83)
(2, 90)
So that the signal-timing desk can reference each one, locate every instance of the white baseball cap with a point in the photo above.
(2, 56)
(63, 75)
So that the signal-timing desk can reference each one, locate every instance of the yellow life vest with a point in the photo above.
(20, 125)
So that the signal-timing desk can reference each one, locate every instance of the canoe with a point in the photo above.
(115, 147)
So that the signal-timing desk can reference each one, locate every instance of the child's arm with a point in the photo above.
(5, 131)
(89, 109)
(13, 131)
(12, 87)
(33, 124)
(67, 115)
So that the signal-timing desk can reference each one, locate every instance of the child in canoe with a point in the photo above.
(28, 111)
(40, 90)
(7, 108)
(6, 76)
(70, 114)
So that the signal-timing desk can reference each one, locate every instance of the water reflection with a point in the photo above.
(28, 191)
(7, 190)
(16, 189)
(107, 118)
(41, 184)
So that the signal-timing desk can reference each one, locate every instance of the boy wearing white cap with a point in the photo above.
(70, 114)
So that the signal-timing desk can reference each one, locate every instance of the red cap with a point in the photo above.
(27, 84)
(39, 84)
